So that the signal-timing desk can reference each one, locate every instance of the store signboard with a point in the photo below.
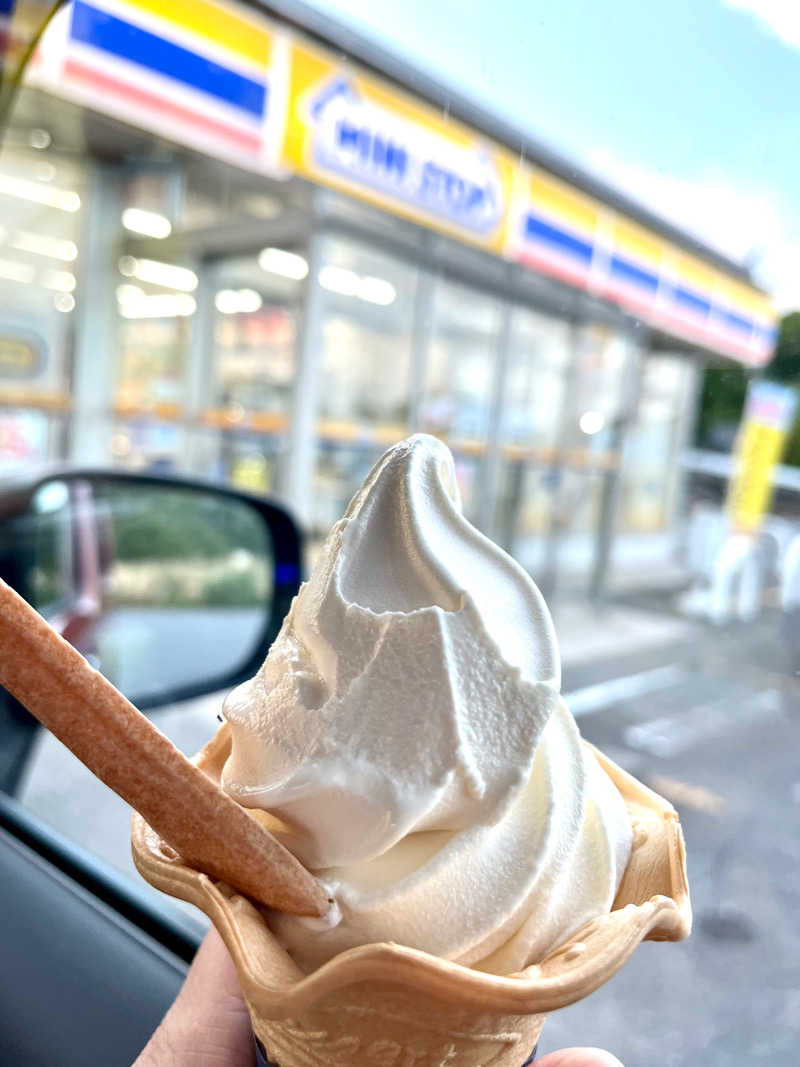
(633, 267)
(704, 305)
(740, 321)
(554, 227)
(201, 74)
(354, 133)
(22, 354)
(225, 81)
(688, 286)
(768, 417)
(562, 232)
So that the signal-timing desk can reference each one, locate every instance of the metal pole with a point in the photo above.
(199, 374)
(678, 515)
(489, 472)
(96, 347)
(609, 499)
(547, 579)
(297, 472)
(421, 331)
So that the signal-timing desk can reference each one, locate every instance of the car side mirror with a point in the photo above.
(171, 588)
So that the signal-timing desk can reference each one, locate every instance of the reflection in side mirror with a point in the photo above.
(168, 589)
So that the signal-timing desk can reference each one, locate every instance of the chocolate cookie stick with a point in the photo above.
(126, 751)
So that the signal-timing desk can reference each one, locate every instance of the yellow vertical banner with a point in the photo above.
(767, 419)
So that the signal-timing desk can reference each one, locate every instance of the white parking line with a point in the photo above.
(671, 734)
(594, 698)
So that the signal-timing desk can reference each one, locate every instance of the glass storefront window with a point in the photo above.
(155, 289)
(42, 201)
(256, 310)
(530, 425)
(650, 471)
(535, 379)
(364, 392)
(152, 364)
(167, 241)
(254, 334)
(560, 504)
(459, 379)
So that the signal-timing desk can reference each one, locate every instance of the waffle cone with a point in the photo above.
(384, 1005)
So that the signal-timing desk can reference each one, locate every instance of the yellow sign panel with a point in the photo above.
(634, 241)
(241, 35)
(561, 201)
(768, 418)
(19, 357)
(351, 132)
(252, 473)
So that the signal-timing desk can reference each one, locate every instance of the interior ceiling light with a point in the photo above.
(376, 291)
(157, 306)
(237, 301)
(592, 422)
(156, 273)
(63, 281)
(347, 283)
(129, 292)
(287, 264)
(41, 244)
(339, 280)
(14, 271)
(147, 223)
(38, 193)
(39, 138)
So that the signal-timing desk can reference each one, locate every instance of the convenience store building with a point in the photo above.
(241, 243)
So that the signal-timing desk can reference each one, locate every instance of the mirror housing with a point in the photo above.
(172, 587)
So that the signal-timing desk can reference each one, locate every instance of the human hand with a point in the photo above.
(578, 1057)
(209, 1026)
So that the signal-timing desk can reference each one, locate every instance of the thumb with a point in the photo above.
(209, 1022)
(579, 1057)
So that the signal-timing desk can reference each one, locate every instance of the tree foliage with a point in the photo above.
(785, 365)
(724, 389)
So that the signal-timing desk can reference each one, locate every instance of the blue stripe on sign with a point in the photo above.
(536, 229)
(6, 6)
(768, 333)
(736, 322)
(691, 301)
(119, 38)
(629, 272)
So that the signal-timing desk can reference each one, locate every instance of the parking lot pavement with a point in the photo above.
(721, 743)
(709, 718)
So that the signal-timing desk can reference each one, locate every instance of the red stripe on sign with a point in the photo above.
(159, 104)
(620, 294)
(713, 340)
(557, 268)
(683, 318)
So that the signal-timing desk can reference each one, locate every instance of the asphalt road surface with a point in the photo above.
(718, 733)
(709, 718)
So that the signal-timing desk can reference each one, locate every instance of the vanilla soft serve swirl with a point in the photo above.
(407, 731)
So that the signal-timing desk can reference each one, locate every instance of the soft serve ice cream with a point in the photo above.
(407, 738)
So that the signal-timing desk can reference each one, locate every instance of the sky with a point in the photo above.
(689, 106)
